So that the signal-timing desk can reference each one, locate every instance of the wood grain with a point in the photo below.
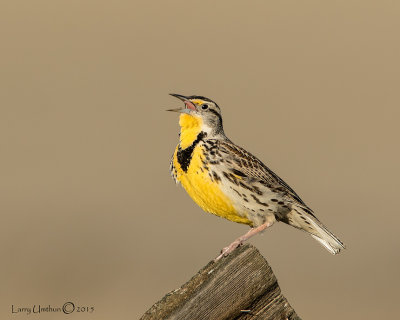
(239, 286)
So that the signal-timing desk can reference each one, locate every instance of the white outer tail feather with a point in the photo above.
(317, 230)
(325, 237)
(334, 249)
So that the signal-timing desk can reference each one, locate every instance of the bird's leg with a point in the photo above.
(239, 241)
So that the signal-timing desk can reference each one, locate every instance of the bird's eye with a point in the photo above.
(204, 106)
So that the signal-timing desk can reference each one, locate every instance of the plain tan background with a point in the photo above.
(89, 212)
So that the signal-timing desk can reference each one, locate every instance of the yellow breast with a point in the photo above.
(203, 190)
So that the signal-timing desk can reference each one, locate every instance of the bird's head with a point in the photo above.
(201, 112)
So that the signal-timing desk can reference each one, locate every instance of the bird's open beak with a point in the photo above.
(189, 106)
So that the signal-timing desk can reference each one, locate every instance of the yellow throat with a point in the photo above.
(190, 128)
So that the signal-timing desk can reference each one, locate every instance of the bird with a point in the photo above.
(228, 181)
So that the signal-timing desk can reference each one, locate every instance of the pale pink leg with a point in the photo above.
(239, 241)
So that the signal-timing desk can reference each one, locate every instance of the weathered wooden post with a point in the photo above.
(239, 286)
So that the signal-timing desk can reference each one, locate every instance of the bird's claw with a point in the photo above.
(227, 250)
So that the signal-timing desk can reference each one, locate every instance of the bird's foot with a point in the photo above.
(227, 250)
(239, 241)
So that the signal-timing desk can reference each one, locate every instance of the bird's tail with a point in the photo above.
(302, 219)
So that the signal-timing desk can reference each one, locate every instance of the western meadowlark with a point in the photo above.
(226, 180)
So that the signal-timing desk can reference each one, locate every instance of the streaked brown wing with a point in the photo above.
(243, 163)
